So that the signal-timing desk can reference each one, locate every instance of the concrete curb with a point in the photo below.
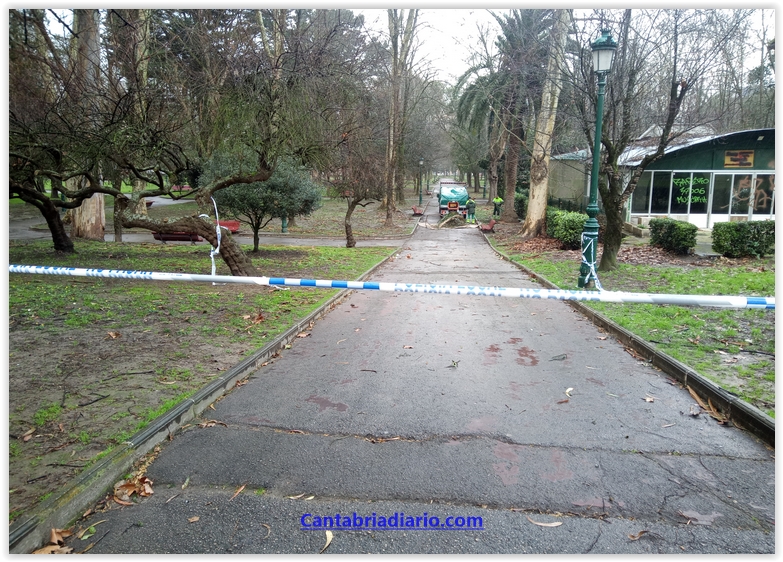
(32, 531)
(740, 413)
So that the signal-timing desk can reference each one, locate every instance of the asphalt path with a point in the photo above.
(511, 413)
(518, 412)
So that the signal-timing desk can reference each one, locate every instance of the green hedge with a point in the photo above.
(520, 205)
(673, 235)
(566, 227)
(737, 239)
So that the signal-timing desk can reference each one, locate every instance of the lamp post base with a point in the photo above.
(589, 251)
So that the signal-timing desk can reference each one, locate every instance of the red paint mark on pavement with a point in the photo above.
(527, 357)
(324, 403)
(561, 472)
(507, 452)
(514, 341)
(592, 502)
(508, 474)
(491, 355)
(485, 423)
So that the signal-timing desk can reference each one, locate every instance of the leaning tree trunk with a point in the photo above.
(350, 241)
(51, 213)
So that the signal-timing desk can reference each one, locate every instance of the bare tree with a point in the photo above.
(401, 38)
(675, 49)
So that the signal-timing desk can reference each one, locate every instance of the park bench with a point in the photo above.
(488, 227)
(177, 237)
(417, 212)
(232, 226)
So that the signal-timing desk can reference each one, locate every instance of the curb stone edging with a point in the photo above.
(31, 531)
(743, 415)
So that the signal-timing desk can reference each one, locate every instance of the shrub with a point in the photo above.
(569, 229)
(673, 235)
(552, 217)
(737, 239)
(520, 205)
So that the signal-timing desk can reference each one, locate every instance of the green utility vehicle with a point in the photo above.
(452, 197)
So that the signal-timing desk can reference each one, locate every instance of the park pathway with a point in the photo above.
(512, 413)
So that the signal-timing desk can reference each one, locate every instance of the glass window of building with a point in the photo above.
(721, 194)
(661, 189)
(681, 193)
(700, 190)
(741, 194)
(640, 202)
(765, 189)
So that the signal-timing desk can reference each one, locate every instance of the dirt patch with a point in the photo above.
(76, 393)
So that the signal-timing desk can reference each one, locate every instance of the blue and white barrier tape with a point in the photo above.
(555, 294)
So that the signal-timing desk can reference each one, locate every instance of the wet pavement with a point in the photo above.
(515, 417)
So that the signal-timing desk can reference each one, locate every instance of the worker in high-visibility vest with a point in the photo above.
(497, 201)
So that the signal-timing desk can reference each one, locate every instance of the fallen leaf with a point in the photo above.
(122, 502)
(568, 391)
(268, 530)
(302, 334)
(329, 536)
(58, 536)
(242, 487)
(552, 524)
(193, 519)
(295, 497)
(187, 481)
(85, 534)
(601, 338)
(560, 357)
(340, 341)
(649, 398)
(668, 425)
(212, 406)
(563, 401)
(309, 498)
(638, 535)
(407, 347)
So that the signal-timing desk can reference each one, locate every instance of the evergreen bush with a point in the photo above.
(673, 235)
(747, 238)
(569, 229)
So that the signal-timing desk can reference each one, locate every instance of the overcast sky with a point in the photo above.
(447, 35)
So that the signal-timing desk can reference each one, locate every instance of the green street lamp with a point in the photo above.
(603, 53)
(421, 164)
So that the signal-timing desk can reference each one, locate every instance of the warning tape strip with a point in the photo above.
(723, 301)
